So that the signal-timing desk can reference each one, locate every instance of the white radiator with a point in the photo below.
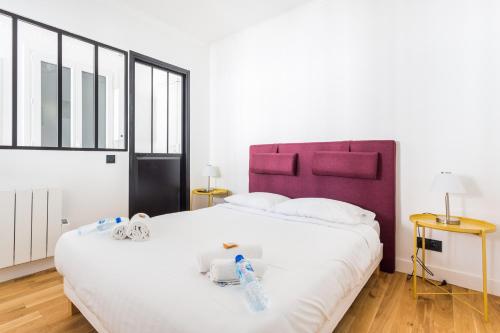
(30, 224)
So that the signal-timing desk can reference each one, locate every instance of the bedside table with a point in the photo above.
(466, 226)
(215, 192)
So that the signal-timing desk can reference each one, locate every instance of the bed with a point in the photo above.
(315, 269)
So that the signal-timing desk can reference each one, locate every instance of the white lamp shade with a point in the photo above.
(211, 171)
(446, 182)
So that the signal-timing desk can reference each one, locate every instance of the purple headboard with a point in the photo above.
(377, 195)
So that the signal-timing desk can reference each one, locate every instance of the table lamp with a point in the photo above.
(446, 182)
(210, 171)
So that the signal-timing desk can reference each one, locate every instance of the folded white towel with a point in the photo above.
(119, 231)
(137, 230)
(224, 270)
(206, 257)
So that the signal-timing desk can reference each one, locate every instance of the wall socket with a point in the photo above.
(430, 244)
(110, 159)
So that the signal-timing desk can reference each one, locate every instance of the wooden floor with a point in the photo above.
(37, 304)
(386, 304)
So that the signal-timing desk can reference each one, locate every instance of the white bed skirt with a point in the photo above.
(89, 315)
(347, 301)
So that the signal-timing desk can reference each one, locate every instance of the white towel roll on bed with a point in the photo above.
(206, 257)
(119, 231)
(137, 230)
(224, 270)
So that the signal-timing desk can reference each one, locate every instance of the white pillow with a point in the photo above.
(257, 200)
(325, 209)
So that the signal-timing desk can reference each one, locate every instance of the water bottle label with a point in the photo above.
(249, 267)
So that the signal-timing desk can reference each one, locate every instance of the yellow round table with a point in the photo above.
(215, 192)
(466, 226)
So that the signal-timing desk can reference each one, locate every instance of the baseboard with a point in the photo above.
(29, 268)
(462, 279)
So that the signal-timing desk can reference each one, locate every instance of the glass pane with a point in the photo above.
(111, 106)
(143, 108)
(5, 80)
(175, 113)
(36, 86)
(160, 110)
(77, 93)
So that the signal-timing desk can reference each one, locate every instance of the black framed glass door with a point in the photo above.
(159, 137)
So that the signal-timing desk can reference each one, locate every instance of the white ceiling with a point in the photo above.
(209, 20)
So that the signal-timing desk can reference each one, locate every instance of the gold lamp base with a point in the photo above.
(450, 220)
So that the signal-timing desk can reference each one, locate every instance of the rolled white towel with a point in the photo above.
(137, 230)
(224, 270)
(119, 231)
(140, 217)
(206, 257)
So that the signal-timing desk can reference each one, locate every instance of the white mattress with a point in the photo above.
(155, 286)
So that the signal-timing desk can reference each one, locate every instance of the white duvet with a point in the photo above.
(155, 286)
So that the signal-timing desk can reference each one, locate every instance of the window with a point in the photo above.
(5, 80)
(37, 111)
(158, 110)
(71, 92)
(78, 113)
(143, 105)
(175, 114)
(111, 107)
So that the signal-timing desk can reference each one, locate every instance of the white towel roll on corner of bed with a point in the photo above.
(205, 257)
(137, 230)
(119, 231)
(224, 270)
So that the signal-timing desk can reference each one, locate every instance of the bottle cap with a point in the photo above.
(118, 220)
(238, 258)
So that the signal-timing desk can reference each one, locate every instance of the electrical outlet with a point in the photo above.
(430, 244)
(110, 159)
(65, 225)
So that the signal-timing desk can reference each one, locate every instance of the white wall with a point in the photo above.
(425, 73)
(92, 188)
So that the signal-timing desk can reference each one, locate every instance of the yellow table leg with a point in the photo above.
(415, 226)
(485, 277)
(423, 254)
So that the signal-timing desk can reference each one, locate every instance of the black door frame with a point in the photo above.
(185, 176)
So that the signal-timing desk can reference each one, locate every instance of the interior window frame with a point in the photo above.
(60, 33)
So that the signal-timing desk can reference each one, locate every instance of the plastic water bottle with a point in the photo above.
(100, 226)
(255, 295)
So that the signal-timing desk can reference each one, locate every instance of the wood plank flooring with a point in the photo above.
(37, 304)
(386, 304)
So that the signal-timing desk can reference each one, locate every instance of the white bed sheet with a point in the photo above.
(155, 286)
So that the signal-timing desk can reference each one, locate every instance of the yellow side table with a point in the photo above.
(466, 226)
(215, 192)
